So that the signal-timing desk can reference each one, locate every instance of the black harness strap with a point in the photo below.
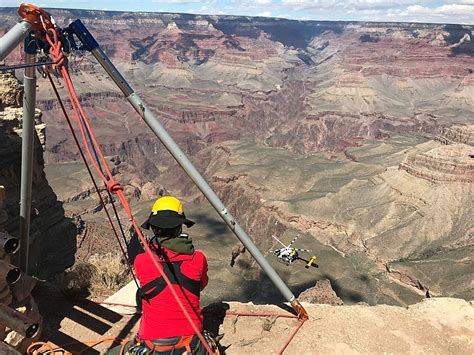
(173, 271)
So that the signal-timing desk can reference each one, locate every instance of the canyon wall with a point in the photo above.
(216, 78)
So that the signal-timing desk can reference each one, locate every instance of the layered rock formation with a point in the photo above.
(457, 134)
(453, 161)
(52, 235)
(214, 78)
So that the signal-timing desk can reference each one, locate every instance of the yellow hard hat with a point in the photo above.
(167, 212)
(167, 203)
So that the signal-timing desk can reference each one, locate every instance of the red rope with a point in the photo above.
(291, 337)
(248, 314)
(102, 202)
(288, 341)
(114, 304)
(111, 183)
(228, 313)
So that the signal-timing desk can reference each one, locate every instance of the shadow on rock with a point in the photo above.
(214, 315)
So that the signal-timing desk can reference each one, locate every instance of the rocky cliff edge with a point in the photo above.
(436, 326)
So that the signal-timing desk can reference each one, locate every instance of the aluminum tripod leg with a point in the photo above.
(13, 38)
(153, 122)
(27, 148)
(7, 44)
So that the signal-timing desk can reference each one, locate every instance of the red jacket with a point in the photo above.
(162, 317)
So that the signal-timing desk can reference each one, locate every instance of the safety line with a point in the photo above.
(117, 217)
(228, 313)
(111, 199)
(117, 188)
(22, 66)
(249, 314)
(102, 202)
(302, 321)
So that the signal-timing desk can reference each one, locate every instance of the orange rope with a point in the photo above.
(110, 182)
(102, 202)
(93, 343)
(42, 344)
(249, 314)
(288, 341)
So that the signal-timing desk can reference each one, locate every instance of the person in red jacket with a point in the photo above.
(164, 328)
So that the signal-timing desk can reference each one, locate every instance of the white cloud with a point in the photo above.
(208, 10)
(463, 2)
(455, 9)
(175, 1)
(451, 11)
(263, 2)
(265, 14)
(348, 4)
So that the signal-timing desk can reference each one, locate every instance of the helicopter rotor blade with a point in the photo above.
(278, 240)
(293, 241)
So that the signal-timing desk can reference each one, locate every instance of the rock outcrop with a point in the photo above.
(452, 161)
(321, 293)
(446, 163)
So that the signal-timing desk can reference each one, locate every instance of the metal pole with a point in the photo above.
(88, 40)
(13, 38)
(18, 321)
(202, 184)
(27, 147)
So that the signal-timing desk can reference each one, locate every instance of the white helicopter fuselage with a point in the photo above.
(287, 254)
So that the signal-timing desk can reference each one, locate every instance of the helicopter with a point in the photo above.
(288, 253)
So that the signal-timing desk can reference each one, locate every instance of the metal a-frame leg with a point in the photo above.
(7, 44)
(27, 152)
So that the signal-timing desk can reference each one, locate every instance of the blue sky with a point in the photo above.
(455, 11)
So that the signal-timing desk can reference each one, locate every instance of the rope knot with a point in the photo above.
(114, 186)
(52, 37)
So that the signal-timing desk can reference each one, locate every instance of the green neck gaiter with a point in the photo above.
(182, 245)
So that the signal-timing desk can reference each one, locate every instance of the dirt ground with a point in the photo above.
(434, 326)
